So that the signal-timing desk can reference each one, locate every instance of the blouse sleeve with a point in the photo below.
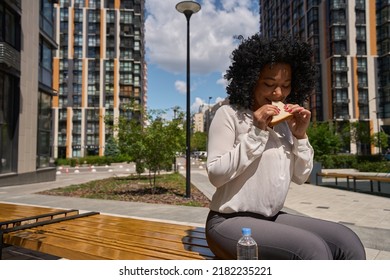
(303, 164)
(228, 156)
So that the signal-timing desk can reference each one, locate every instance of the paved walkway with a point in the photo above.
(368, 215)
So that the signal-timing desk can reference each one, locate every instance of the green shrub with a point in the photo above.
(374, 166)
(367, 163)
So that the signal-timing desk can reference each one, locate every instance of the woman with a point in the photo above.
(252, 164)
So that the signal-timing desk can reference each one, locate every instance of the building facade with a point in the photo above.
(351, 41)
(99, 71)
(27, 41)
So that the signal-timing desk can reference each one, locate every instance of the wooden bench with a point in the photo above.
(90, 236)
(355, 177)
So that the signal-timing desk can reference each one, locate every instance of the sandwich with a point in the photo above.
(282, 116)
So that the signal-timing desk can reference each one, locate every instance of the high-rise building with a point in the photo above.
(99, 71)
(27, 41)
(351, 39)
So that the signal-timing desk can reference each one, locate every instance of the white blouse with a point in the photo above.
(252, 168)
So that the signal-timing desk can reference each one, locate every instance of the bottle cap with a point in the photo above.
(246, 231)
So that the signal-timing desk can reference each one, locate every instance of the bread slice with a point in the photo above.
(282, 116)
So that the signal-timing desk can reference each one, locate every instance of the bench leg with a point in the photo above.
(348, 183)
(1, 245)
(371, 186)
(354, 184)
(379, 186)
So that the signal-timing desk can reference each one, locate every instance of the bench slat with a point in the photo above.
(106, 237)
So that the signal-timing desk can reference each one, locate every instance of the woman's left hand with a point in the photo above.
(300, 121)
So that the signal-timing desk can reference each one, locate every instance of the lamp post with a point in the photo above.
(208, 116)
(188, 8)
(378, 133)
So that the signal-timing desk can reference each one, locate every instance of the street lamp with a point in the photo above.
(378, 133)
(188, 8)
(208, 116)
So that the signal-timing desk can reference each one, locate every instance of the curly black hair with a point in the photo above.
(255, 52)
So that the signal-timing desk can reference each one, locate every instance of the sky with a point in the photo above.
(212, 40)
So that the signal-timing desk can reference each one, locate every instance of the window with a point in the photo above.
(93, 16)
(125, 66)
(78, 51)
(94, 4)
(78, 15)
(126, 17)
(9, 27)
(44, 130)
(77, 64)
(126, 54)
(45, 64)
(8, 138)
(47, 17)
(110, 17)
(64, 15)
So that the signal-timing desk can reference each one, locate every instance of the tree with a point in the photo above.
(380, 140)
(128, 133)
(153, 146)
(111, 148)
(323, 139)
(163, 140)
(199, 141)
(360, 134)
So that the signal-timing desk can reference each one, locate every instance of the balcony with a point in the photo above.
(362, 69)
(340, 68)
(338, 6)
(340, 85)
(362, 85)
(9, 56)
(341, 101)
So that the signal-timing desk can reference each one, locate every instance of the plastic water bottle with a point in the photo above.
(247, 246)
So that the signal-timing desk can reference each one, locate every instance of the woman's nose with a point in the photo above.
(277, 92)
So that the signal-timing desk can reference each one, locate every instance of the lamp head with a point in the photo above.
(188, 7)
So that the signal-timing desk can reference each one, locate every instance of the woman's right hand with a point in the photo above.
(263, 115)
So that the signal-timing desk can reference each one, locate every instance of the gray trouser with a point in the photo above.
(284, 236)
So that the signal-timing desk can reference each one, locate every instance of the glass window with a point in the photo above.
(44, 130)
(10, 28)
(78, 52)
(126, 53)
(45, 64)
(64, 14)
(7, 123)
(94, 4)
(126, 17)
(47, 17)
(79, 3)
(110, 17)
(78, 15)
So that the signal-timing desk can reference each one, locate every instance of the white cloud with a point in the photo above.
(211, 33)
(222, 81)
(197, 104)
(219, 99)
(181, 86)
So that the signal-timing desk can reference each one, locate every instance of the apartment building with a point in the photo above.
(27, 41)
(99, 71)
(351, 40)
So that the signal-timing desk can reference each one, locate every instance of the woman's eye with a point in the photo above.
(286, 86)
(268, 85)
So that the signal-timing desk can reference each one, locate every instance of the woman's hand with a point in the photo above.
(300, 121)
(263, 115)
